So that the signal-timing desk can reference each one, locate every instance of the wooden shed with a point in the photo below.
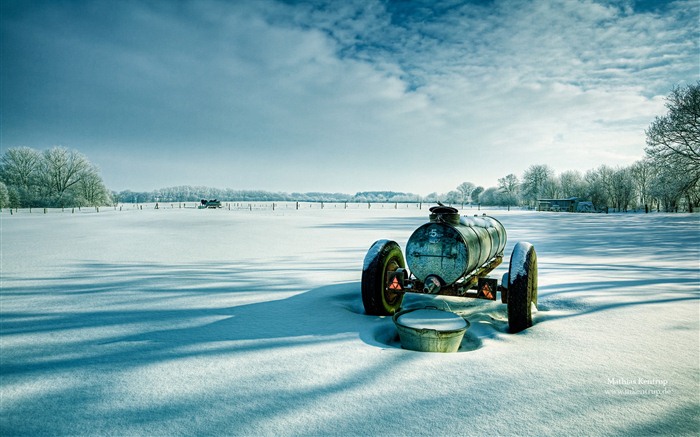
(563, 205)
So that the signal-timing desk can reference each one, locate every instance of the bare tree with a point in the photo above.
(621, 188)
(492, 197)
(677, 134)
(673, 143)
(19, 170)
(476, 193)
(597, 182)
(465, 190)
(19, 166)
(91, 188)
(4, 196)
(509, 186)
(667, 189)
(641, 173)
(551, 188)
(452, 198)
(534, 180)
(572, 184)
(62, 169)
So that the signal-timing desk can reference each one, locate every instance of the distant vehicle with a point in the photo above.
(451, 255)
(209, 204)
(585, 207)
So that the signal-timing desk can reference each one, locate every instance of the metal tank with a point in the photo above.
(450, 247)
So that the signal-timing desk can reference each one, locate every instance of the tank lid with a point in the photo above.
(444, 214)
(442, 209)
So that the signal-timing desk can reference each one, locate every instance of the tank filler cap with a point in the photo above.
(444, 214)
(442, 209)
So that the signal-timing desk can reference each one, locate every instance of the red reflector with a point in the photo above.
(486, 291)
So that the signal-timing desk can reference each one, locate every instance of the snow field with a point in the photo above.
(193, 322)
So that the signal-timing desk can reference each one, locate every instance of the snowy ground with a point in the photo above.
(217, 322)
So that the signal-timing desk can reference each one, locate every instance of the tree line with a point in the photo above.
(188, 193)
(57, 177)
(667, 178)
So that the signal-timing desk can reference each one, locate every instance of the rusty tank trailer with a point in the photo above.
(452, 255)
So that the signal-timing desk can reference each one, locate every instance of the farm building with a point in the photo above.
(566, 205)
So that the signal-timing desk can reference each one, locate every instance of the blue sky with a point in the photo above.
(340, 95)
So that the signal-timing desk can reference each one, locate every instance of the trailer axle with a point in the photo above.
(476, 285)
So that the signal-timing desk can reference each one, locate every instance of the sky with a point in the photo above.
(340, 96)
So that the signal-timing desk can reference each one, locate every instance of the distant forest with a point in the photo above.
(195, 194)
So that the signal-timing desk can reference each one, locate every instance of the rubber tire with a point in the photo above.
(384, 256)
(522, 288)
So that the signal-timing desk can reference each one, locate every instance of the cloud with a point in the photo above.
(360, 95)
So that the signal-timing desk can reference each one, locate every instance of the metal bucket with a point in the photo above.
(430, 329)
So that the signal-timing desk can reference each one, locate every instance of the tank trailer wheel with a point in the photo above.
(522, 286)
(384, 256)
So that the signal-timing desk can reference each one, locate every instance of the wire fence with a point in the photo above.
(227, 206)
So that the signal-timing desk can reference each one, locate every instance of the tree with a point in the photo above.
(667, 189)
(551, 188)
(465, 190)
(673, 142)
(19, 170)
(61, 170)
(19, 166)
(431, 198)
(4, 196)
(56, 177)
(453, 197)
(572, 184)
(476, 193)
(597, 186)
(509, 186)
(491, 197)
(641, 173)
(621, 188)
(14, 200)
(128, 196)
(534, 180)
(92, 190)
